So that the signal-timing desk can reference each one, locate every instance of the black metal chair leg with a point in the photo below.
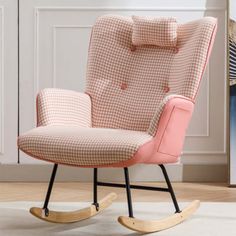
(170, 188)
(45, 206)
(95, 185)
(128, 192)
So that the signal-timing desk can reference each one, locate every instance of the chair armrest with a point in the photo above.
(174, 98)
(170, 122)
(63, 107)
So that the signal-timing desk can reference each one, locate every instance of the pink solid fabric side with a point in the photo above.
(167, 145)
(171, 131)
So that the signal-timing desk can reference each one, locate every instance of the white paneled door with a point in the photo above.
(8, 81)
(54, 38)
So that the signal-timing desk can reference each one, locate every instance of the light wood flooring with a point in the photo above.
(76, 192)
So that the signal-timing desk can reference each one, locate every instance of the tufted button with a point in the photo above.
(175, 50)
(166, 89)
(133, 48)
(124, 86)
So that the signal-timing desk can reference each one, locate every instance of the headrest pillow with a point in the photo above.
(161, 31)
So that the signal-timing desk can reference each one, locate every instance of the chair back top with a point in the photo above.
(127, 83)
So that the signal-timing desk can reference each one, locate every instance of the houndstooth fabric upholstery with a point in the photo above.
(127, 89)
(63, 107)
(189, 63)
(82, 146)
(154, 31)
(127, 84)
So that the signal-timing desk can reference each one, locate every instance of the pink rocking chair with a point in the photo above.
(142, 79)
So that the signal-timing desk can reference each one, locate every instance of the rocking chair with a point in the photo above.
(142, 79)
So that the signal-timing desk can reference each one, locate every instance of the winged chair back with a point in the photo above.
(127, 79)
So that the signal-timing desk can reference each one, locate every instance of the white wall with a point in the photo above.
(232, 11)
(8, 81)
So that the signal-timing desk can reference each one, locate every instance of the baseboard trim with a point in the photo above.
(177, 173)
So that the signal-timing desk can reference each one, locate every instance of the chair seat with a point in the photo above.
(79, 146)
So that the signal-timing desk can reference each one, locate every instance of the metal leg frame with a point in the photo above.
(128, 192)
(171, 191)
(95, 192)
(127, 185)
(45, 206)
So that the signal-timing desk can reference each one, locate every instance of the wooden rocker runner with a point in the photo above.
(74, 216)
(139, 99)
(149, 226)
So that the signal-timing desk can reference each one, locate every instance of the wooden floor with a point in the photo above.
(75, 192)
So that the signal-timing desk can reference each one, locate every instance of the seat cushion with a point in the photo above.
(80, 146)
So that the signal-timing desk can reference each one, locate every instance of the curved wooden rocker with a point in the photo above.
(145, 226)
(73, 216)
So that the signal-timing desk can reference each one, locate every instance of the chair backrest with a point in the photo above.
(126, 84)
